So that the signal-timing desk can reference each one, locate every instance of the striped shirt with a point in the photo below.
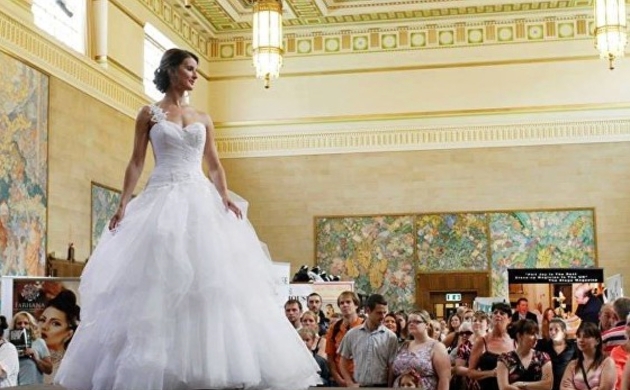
(613, 337)
(372, 352)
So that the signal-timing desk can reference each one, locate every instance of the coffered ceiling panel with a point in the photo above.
(228, 16)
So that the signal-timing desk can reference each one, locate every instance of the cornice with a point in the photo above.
(381, 138)
(47, 55)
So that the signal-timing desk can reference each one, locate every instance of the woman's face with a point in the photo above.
(417, 325)
(309, 341)
(500, 318)
(479, 325)
(390, 323)
(401, 320)
(309, 322)
(55, 328)
(185, 75)
(455, 322)
(556, 333)
(586, 343)
(527, 340)
(21, 322)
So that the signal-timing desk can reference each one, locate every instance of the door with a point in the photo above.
(441, 293)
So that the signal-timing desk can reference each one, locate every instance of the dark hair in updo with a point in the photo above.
(522, 327)
(3, 324)
(66, 302)
(171, 59)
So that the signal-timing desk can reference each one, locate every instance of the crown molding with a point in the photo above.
(366, 137)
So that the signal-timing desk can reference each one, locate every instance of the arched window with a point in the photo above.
(63, 19)
(155, 44)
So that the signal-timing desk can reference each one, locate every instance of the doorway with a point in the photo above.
(442, 293)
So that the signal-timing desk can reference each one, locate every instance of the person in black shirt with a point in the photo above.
(559, 348)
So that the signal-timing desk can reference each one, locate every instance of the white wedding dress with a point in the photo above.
(180, 295)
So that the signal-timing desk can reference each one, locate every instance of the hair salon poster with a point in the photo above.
(31, 294)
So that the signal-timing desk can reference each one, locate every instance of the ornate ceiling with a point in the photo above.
(229, 16)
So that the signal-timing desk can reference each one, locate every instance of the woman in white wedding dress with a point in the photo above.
(178, 293)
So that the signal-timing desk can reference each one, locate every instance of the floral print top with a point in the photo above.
(421, 361)
(516, 370)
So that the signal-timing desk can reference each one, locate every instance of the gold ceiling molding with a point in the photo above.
(422, 36)
(431, 138)
(51, 57)
(348, 14)
(187, 28)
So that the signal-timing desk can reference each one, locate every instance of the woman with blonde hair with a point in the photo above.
(310, 320)
(35, 361)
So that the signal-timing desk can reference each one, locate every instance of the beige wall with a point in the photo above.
(285, 193)
(88, 141)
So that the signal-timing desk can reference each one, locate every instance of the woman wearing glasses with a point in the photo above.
(486, 349)
(423, 354)
(592, 370)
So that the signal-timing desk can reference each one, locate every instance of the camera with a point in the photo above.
(21, 338)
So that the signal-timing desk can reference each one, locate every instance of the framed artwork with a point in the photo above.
(24, 168)
(103, 205)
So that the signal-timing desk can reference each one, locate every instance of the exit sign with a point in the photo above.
(453, 297)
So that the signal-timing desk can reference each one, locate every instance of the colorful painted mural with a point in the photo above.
(376, 252)
(104, 203)
(383, 253)
(540, 239)
(24, 168)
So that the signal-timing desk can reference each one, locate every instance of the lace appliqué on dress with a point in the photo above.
(157, 114)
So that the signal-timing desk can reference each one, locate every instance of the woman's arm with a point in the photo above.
(44, 365)
(473, 362)
(460, 367)
(546, 383)
(215, 169)
(567, 378)
(502, 377)
(441, 365)
(135, 165)
(322, 347)
(609, 374)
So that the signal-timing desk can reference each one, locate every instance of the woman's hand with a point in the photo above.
(115, 221)
(31, 353)
(229, 205)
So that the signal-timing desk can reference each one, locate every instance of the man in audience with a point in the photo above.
(348, 303)
(589, 305)
(293, 311)
(372, 347)
(314, 303)
(522, 311)
(617, 334)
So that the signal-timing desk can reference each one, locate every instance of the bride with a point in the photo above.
(178, 294)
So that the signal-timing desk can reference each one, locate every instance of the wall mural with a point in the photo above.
(104, 204)
(383, 253)
(24, 168)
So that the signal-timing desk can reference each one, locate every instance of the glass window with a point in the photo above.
(155, 44)
(63, 19)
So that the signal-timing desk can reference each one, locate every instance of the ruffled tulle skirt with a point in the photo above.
(180, 297)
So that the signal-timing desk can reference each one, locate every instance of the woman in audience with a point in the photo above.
(401, 318)
(435, 330)
(460, 368)
(486, 350)
(560, 349)
(451, 341)
(9, 364)
(310, 320)
(390, 323)
(524, 367)
(309, 336)
(592, 370)
(34, 361)
(619, 355)
(58, 322)
(547, 316)
(423, 354)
